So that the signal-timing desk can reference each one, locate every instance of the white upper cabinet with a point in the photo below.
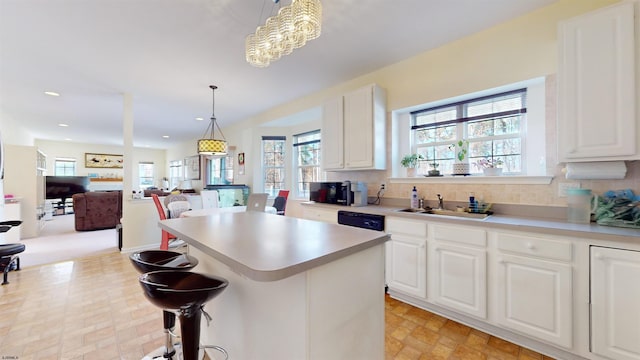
(597, 119)
(353, 131)
(332, 134)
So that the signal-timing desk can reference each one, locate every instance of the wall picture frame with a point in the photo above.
(192, 167)
(110, 161)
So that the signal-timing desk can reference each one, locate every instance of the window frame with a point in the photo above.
(176, 173)
(140, 177)
(316, 170)
(66, 161)
(461, 122)
(266, 168)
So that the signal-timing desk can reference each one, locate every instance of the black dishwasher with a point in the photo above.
(361, 220)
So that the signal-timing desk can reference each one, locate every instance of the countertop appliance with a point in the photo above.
(344, 193)
(361, 220)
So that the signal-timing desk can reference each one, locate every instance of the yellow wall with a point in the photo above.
(520, 49)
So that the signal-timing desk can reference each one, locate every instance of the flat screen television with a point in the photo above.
(63, 187)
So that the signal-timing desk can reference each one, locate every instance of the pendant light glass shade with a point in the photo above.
(290, 29)
(211, 145)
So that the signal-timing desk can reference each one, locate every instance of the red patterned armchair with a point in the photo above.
(97, 210)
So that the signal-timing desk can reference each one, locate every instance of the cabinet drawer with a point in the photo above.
(407, 227)
(321, 215)
(532, 246)
(462, 235)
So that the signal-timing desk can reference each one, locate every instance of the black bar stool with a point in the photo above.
(154, 260)
(187, 292)
(9, 259)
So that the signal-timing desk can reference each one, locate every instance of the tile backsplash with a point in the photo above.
(544, 195)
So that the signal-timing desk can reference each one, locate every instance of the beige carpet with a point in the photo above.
(58, 241)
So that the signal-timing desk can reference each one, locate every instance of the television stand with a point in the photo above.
(62, 206)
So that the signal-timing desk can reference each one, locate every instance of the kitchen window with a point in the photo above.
(273, 163)
(306, 148)
(493, 125)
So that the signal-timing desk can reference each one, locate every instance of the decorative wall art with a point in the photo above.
(112, 161)
(192, 167)
(241, 164)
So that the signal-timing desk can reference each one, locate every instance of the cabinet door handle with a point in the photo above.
(530, 246)
(422, 247)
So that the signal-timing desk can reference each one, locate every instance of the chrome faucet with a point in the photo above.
(440, 202)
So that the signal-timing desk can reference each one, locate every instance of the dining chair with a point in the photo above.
(209, 199)
(174, 197)
(279, 203)
(166, 236)
(178, 207)
(285, 195)
(257, 202)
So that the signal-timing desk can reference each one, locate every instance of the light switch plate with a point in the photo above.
(563, 186)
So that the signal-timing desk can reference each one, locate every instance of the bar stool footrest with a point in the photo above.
(217, 348)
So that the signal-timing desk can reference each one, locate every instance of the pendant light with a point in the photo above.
(290, 29)
(211, 145)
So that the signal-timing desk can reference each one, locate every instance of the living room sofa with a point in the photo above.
(97, 210)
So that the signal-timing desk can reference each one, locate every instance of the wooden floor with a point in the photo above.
(416, 334)
(93, 308)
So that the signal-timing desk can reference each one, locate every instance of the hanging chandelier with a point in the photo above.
(290, 29)
(211, 145)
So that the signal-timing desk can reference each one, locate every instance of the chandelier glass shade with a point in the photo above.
(211, 145)
(290, 29)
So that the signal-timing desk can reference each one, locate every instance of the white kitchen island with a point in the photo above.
(298, 289)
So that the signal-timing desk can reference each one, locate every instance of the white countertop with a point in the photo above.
(216, 211)
(267, 247)
(505, 222)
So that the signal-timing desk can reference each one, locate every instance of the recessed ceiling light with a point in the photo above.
(63, 125)
(199, 119)
(68, 139)
(52, 93)
(165, 136)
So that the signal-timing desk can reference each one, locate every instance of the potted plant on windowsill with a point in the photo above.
(461, 165)
(434, 169)
(411, 162)
(490, 166)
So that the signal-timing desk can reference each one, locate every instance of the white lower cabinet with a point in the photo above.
(615, 303)
(458, 275)
(533, 287)
(407, 256)
(567, 297)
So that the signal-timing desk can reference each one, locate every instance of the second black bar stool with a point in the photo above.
(186, 292)
(154, 260)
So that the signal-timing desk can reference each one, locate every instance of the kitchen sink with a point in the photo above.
(411, 210)
(445, 212)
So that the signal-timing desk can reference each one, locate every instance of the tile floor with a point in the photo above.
(416, 334)
(93, 308)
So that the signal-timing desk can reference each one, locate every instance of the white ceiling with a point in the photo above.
(166, 53)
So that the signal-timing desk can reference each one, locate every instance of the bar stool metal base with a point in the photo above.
(9, 259)
(160, 354)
